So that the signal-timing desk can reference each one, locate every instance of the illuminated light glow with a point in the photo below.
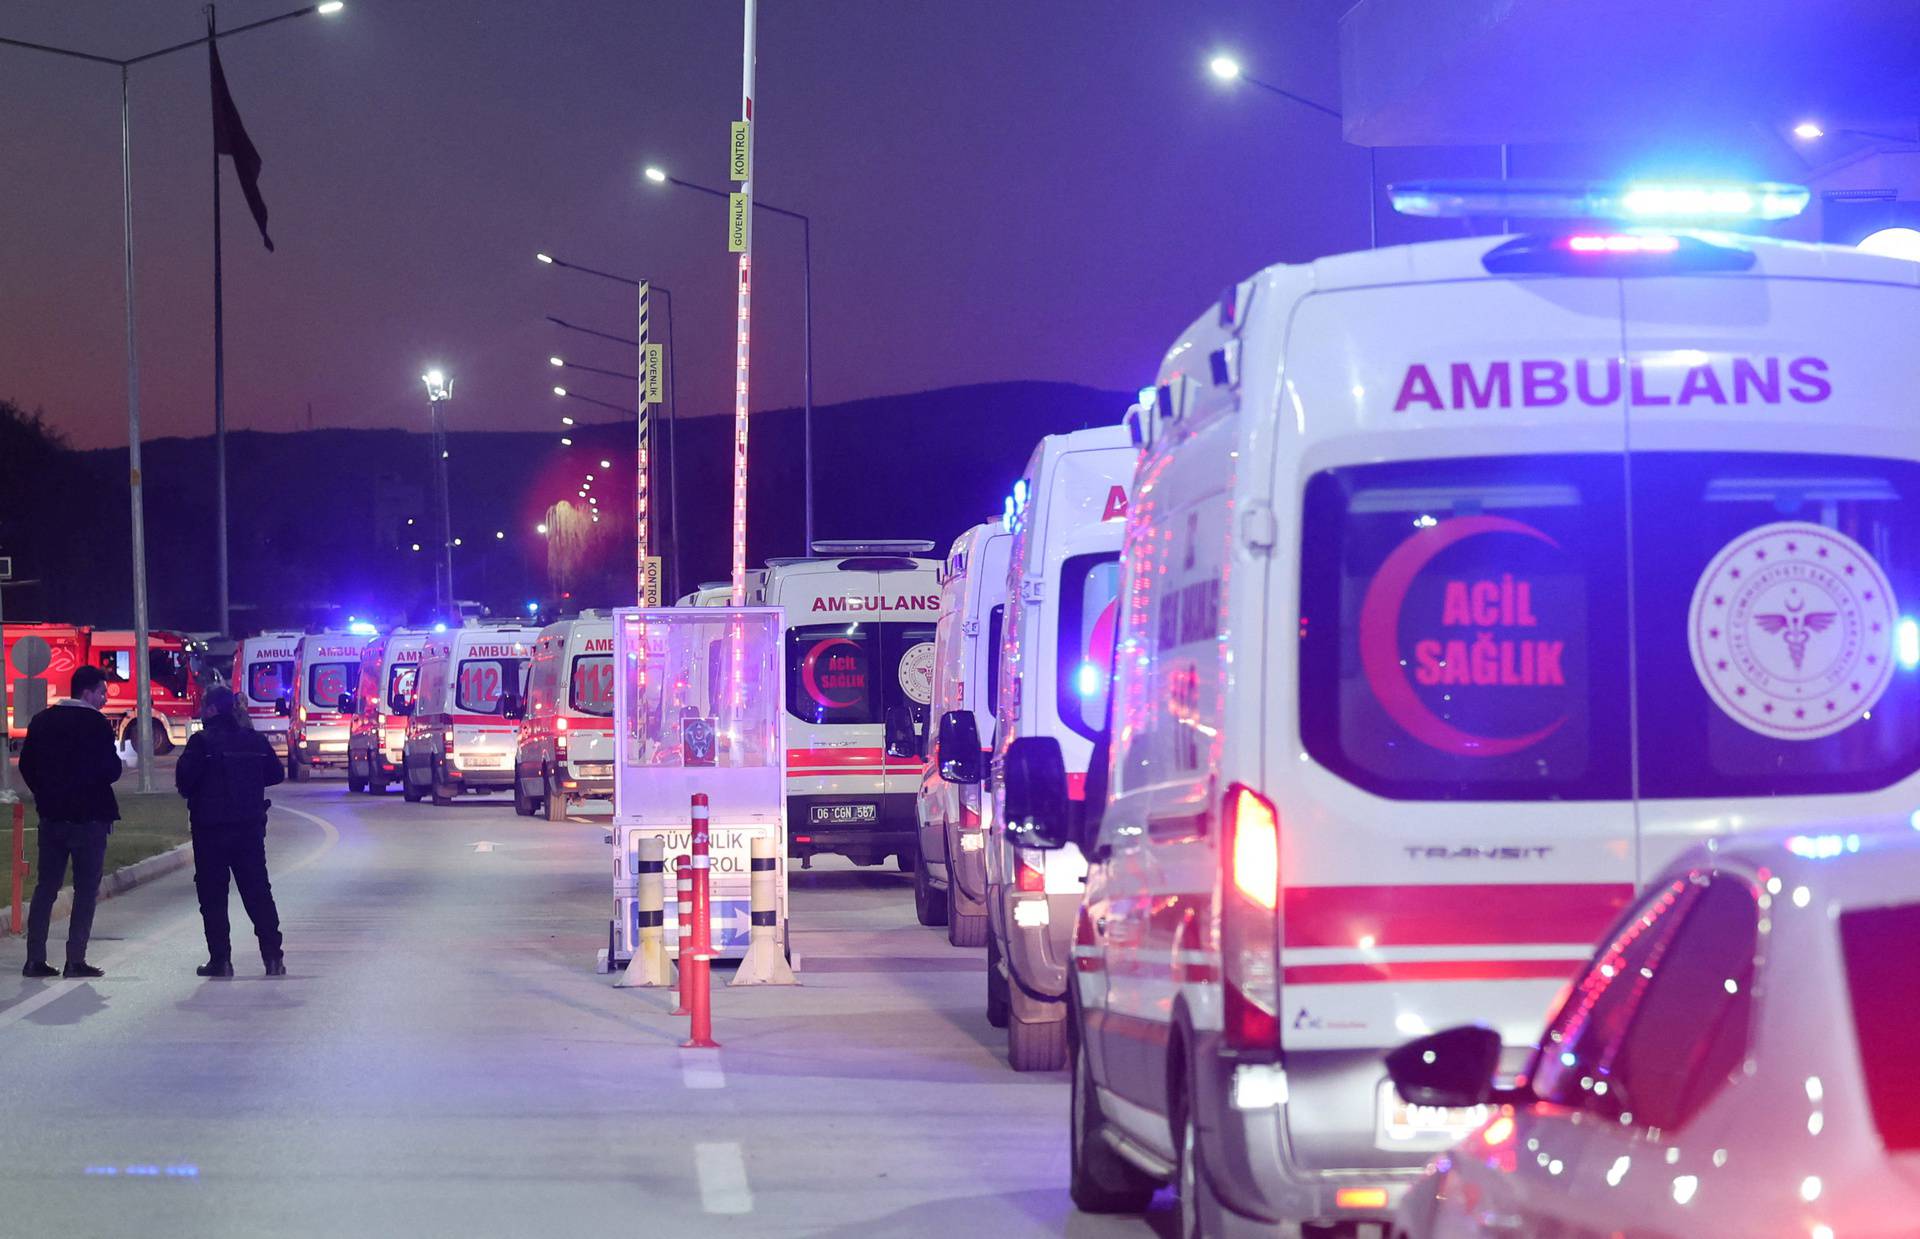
(1815, 1122)
(1906, 643)
(565, 442)
(1618, 1170)
(330, 7)
(456, 542)
(546, 258)
(363, 629)
(1691, 202)
(1684, 1187)
(555, 361)
(1226, 68)
(1810, 1188)
(1407, 1024)
(1821, 847)
(606, 464)
(1808, 130)
(1367, 942)
(1087, 680)
(657, 175)
(566, 421)
(1360, 1198)
(498, 534)
(439, 627)
(1802, 896)
(416, 546)
(1820, 1230)
(559, 391)
(1256, 848)
(1498, 1132)
(1893, 243)
(1623, 243)
(541, 528)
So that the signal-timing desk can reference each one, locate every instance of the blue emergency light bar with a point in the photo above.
(1669, 202)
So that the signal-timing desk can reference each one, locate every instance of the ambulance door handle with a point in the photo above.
(1259, 531)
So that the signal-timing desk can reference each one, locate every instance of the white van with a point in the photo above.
(564, 752)
(860, 619)
(1465, 584)
(263, 681)
(950, 879)
(326, 669)
(382, 704)
(1068, 514)
(460, 738)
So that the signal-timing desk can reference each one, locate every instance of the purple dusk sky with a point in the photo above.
(1000, 189)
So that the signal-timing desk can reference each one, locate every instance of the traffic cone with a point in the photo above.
(765, 962)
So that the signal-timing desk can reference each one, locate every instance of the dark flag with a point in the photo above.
(230, 138)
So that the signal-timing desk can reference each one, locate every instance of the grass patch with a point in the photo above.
(148, 826)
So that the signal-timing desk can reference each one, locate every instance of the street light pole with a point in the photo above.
(439, 392)
(142, 673)
(660, 176)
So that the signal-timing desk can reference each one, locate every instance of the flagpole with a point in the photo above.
(219, 379)
(142, 676)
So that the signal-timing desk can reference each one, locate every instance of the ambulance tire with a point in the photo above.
(929, 905)
(523, 804)
(999, 1006)
(355, 782)
(554, 800)
(1098, 1179)
(965, 929)
(1038, 1046)
(905, 865)
(443, 795)
(299, 771)
(1200, 1212)
(409, 790)
(376, 781)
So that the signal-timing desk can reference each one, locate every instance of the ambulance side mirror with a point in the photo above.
(345, 703)
(1033, 779)
(901, 742)
(282, 706)
(959, 747)
(513, 705)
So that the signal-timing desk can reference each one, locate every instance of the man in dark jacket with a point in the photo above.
(224, 774)
(70, 763)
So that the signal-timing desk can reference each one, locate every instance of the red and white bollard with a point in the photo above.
(683, 948)
(19, 857)
(696, 956)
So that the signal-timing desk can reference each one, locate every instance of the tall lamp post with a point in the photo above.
(143, 683)
(1229, 69)
(439, 392)
(643, 464)
(661, 176)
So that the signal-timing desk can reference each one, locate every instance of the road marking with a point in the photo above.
(723, 1178)
(56, 990)
(701, 1069)
(483, 846)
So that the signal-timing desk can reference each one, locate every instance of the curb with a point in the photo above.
(120, 881)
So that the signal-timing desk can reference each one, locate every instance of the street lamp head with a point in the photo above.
(1226, 68)
(546, 258)
(559, 391)
(1807, 131)
(555, 361)
(565, 442)
(657, 175)
(439, 386)
(606, 464)
(566, 421)
(331, 7)
(541, 528)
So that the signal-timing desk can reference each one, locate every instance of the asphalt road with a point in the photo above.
(443, 1060)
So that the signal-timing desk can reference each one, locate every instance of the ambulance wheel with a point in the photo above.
(299, 771)
(409, 790)
(964, 928)
(355, 782)
(523, 804)
(904, 865)
(442, 794)
(1098, 1179)
(553, 798)
(376, 781)
(929, 905)
(1036, 1046)
(998, 1006)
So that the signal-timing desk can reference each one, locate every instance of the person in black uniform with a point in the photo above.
(224, 774)
(70, 764)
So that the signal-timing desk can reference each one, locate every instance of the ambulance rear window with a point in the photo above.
(592, 691)
(852, 673)
(1463, 628)
(328, 682)
(482, 681)
(270, 680)
(401, 681)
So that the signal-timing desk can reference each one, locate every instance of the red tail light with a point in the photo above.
(446, 742)
(1249, 932)
(1029, 877)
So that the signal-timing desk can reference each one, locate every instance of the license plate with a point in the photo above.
(1423, 1129)
(489, 761)
(838, 814)
(593, 769)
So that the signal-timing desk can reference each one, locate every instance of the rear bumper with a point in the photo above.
(894, 832)
(321, 748)
(967, 869)
(1038, 947)
(1260, 1161)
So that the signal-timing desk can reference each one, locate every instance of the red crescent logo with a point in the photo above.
(1380, 639)
(811, 664)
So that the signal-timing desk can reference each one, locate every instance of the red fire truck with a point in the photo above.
(41, 659)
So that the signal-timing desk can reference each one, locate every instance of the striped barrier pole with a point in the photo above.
(683, 887)
(19, 859)
(766, 963)
(648, 967)
(699, 1000)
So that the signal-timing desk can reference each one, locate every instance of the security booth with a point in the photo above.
(699, 707)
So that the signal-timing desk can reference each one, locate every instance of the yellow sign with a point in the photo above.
(736, 223)
(650, 593)
(652, 373)
(740, 152)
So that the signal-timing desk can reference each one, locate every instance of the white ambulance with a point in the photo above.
(263, 681)
(1067, 514)
(860, 619)
(950, 879)
(565, 748)
(460, 738)
(1465, 584)
(389, 666)
(326, 668)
